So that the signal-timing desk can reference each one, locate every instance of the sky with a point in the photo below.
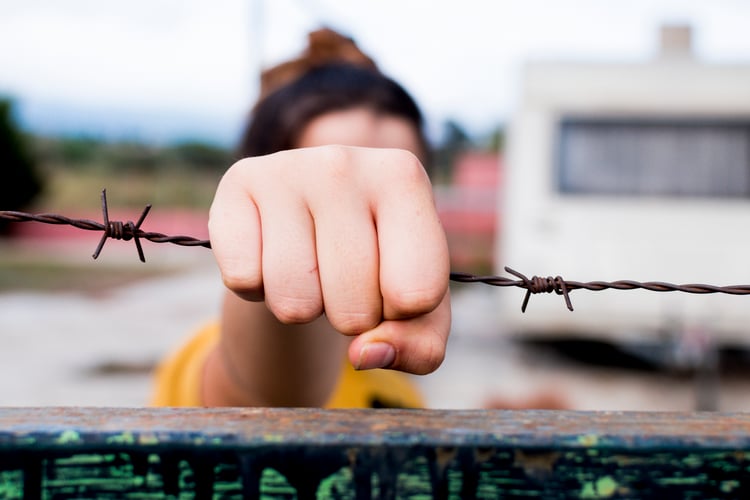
(165, 70)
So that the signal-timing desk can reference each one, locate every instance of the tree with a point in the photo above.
(455, 140)
(201, 155)
(20, 182)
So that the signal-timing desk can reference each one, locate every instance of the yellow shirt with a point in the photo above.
(178, 380)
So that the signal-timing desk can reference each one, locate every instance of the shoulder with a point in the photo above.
(177, 381)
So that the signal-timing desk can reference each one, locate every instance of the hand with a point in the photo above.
(346, 231)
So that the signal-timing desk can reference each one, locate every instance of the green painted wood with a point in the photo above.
(368, 454)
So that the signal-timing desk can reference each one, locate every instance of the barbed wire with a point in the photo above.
(129, 230)
(116, 230)
(563, 287)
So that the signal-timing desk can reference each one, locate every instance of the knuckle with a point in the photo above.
(238, 168)
(336, 160)
(243, 176)
(353, 323)
(430, 357)
(407, 167)
(295, 310)
(415, 301)
(334, 154)
(242, 282)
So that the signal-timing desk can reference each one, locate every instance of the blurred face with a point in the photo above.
(361, 127)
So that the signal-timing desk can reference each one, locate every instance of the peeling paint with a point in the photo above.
(204, 453)
(536, 464)
(148, 440)
(68, 436)
(604, 487)
(273, 438)
(729, 486)
(123, 438)
(588, 440)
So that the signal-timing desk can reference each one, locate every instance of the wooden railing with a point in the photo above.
(363, 454)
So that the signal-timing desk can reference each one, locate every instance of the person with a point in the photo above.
(329, 243)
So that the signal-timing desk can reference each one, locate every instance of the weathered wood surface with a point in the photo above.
(363, 454)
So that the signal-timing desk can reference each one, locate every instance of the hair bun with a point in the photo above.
(325, 46)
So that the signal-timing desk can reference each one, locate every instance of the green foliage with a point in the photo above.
(78, 150)
(496, 140)
(88, 153)
(455, 141)
(20, 183)
(77, 168)
(203, 156)
(132, 156)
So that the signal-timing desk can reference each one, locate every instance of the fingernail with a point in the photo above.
(376, 355)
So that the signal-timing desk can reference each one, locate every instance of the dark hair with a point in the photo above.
(278, 120)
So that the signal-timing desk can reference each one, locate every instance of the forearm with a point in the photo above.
(262, 362)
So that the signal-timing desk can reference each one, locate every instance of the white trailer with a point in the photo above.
(629, 171)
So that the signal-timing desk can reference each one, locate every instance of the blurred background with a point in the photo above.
(590, 139)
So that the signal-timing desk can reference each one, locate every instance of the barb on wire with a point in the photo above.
(119, 231)
(534, 285)
(116, 230)
(564, 287)
(132, 230)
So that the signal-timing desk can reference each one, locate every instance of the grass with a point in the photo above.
(68, 189)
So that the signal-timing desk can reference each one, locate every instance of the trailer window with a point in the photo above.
(654, 157)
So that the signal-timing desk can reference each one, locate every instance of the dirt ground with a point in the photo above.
(96, 347)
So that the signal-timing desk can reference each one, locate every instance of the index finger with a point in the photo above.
(235, 232)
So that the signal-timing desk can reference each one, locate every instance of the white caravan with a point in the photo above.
(630, 171)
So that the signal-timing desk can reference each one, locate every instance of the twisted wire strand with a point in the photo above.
(92, 225)
(563, 287)
(110, 229)
(132, 230)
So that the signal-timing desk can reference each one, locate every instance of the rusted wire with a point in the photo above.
(564, 287)
(116, 230)
(129, 230)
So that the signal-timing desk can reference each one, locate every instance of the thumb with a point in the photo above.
(414, 345)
